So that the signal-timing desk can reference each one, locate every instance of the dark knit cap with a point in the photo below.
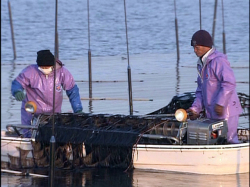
(203, 38)
(45, 58)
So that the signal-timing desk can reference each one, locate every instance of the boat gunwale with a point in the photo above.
(17, 139)
(205, 147)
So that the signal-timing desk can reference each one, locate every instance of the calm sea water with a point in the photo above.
(155, 73)
(151, 27)
(136, 178)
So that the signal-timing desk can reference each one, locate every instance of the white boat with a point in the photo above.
(201, 154)
(88, 140)
(199, 159)
(13, 149)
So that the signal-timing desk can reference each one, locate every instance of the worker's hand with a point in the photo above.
(192, 115)
(19, 96)
(219, 110)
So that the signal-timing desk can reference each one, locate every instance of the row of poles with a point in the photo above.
(214, 23)
(176, 29)
(53, 140)
(128, 69)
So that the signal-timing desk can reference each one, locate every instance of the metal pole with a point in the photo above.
(200, 12)
(89, 57)
(176, 33)
(214, 21)
(12, 31)
(129, 69)
(52, 139)
(223, 33)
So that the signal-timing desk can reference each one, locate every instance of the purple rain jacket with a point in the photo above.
(216, 85)
(39, 88)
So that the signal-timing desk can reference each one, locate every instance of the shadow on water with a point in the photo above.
(86, 177)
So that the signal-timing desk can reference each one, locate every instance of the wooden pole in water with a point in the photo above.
(223, 33)
(176, 33)
(89, 57)
(177, 46)
(214, 20)
(12, 31)
(112, 98)
(129, 69)
(22, 173)
(200, 12)
(52, 139)
(89, 64)
(57, 45)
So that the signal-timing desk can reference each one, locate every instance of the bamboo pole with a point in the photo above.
(110, 98)
(107, 81)
(57, 45)
(214, 20)
(52, 138)
(176, 33)
(22, 173)
(128, 69)
(89, 63)
(200, 12)
(12, 31)
(89, 56)
(223, 33)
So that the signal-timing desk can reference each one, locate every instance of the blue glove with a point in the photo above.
(19, 96)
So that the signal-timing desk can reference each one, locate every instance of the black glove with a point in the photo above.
(19, 96)
(192, 115)
(219, 110)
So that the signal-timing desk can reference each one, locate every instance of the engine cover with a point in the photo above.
(206, 132)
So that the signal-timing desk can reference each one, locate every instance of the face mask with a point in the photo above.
(46, 71)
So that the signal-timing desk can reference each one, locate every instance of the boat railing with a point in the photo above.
(159, 137)
(16, 129)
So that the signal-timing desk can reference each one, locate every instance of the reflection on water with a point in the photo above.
(189, 180)
(90, 107)
(135, 178)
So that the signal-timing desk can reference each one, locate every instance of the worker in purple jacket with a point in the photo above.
(38, 82)
(216, 90)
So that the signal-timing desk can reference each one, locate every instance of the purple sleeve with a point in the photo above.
(225, 75)
(72, 91)
(68, 79)
(23, 77)
(197, 104)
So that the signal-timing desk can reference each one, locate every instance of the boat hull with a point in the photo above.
(199, 159)
(205, 159)
(16, 151)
